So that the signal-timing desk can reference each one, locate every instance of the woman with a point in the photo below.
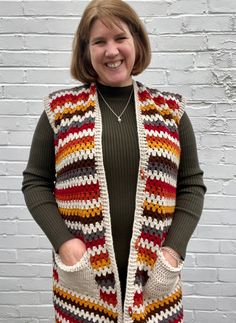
(113, 179)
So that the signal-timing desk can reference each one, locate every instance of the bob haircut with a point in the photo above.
(110, 12)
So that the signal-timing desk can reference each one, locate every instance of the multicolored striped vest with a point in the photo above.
(90, 291)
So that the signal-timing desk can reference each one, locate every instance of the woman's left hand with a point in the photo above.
(169, 258)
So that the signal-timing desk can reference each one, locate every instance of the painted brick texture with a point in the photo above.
(194, 53)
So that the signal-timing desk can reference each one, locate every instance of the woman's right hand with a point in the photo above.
(72, 251)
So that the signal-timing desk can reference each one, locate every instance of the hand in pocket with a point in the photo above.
(72, 251)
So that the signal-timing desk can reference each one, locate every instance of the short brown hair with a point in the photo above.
(109, 12)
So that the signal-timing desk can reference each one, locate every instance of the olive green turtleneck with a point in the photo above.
(121, 160)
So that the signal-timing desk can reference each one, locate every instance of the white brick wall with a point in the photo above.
(194, 53)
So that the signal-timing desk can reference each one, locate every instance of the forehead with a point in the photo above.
(108, 27)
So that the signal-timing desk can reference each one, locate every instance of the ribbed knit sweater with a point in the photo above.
(121, 159)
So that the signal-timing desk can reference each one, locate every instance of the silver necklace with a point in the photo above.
(127, 103)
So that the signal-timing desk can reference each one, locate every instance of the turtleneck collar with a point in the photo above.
(114, 91)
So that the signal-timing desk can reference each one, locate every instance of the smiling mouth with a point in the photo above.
(114, 65)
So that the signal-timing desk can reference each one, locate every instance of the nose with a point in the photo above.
(111, 50)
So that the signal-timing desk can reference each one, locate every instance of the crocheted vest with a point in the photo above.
(89, 291)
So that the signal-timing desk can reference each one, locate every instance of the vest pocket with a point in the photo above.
(79, 277)
(163, 278)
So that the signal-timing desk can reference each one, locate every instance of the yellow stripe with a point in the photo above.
(69, 110)
(73, 149)
(160, 208)
(85, 303)
(81, 213)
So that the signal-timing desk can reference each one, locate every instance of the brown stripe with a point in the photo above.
(68, 116)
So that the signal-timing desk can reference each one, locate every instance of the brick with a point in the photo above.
(3, 198)
(39, 25)
(55, 8)
(229, 155)
(213, 186)
(203, 59)
(219, 172)
(216, 261)
(185, 6)
(209, 124)
(8, 227)
(200, 110)
(163, 25)
(15, 168)
(26, 59)
(189, 316)
(40, 311)
(215, 317)
(216, 232)
(23, 320)
(229, 188)
(16, 198)
(10, 183)
(200, 303)
(15, 298)
(11, 76)
(18, 123)
(3, 138)
(44, 76)
(25, 91)
(3, 168)
(218, 140)
(8, 255)
(216, 289)
(10, 42)
(227, 303)
(11, 107)
(231, 125)
(203, 245)
(199, 275)
(48, 42)
(28, 228)
(226, 41)
(228, 247)
(225, 109)
(18, 242)
(18, 270)
(152, 75)
(208, 23)
(25, 284)
(188, 289)
(8, 312)
(34, 256)
(189, 77)
(208, 93)
(222, 7)
(218, 217)
(226, 275)
(172, 60)
(13, 212)
(184, 43)
(44, 243)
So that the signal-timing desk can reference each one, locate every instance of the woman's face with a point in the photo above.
(112, 53)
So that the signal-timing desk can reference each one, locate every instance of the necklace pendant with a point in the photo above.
(119, 119)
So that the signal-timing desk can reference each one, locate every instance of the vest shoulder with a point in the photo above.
(65, 91)
(174, 102)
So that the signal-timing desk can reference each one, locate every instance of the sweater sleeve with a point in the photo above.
(38, 185)
(190, 191)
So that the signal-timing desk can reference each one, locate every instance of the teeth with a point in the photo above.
(114, 65)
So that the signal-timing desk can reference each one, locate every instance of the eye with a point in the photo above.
(121, 38)
(98, 42)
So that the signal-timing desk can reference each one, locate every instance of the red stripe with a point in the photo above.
(73, 130)
(109, 298)
(150, 127)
